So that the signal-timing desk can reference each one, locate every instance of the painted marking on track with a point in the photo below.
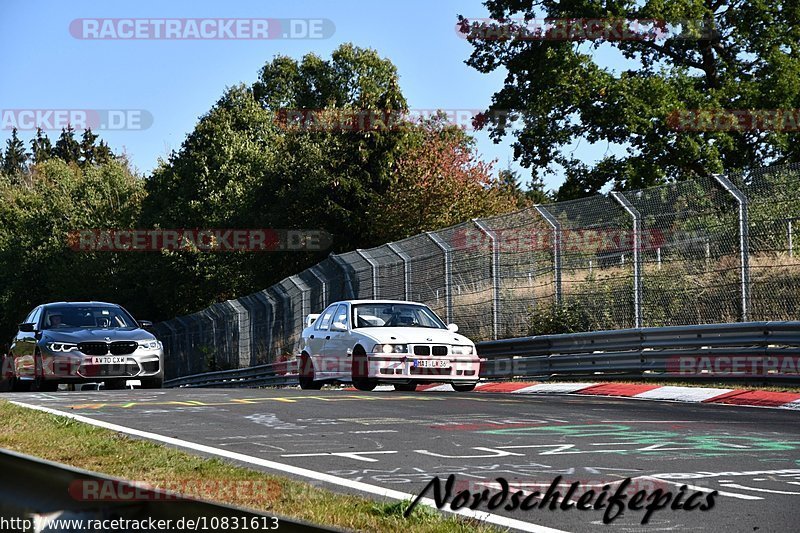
(303, 472)
(704, 489)
(358, 456)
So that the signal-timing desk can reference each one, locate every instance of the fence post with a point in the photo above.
(789, 229)
(448, 272)
(556, 225)
(347, 281)
(637, 256)
(406, 269)
(305, 296)
(243, 324)
(744, 241)
(495, 275)
(374, 266)
(322, 283)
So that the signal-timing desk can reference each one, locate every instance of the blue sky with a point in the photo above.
(177, 81)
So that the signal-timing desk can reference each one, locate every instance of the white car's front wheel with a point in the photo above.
(463, 387)
(306, 374)
(359, 372)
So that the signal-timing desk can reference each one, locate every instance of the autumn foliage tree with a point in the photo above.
(440, 181)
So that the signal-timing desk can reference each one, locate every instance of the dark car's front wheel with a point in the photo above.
(40, 384)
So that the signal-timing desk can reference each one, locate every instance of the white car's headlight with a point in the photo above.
(390, 348)
(461, 350)
(149, 345)
(62, 347)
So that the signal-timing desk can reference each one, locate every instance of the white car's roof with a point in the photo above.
(377, 302)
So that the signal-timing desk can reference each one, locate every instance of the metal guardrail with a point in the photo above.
(753, 350)
(632, 353)
(271, 375)
(35, 490)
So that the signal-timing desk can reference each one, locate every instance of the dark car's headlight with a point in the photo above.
(62, 347)
(149, 345)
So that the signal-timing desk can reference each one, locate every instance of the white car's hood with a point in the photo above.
(401, 335)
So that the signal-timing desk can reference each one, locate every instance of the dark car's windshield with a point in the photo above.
(395, 315)
(89, 316)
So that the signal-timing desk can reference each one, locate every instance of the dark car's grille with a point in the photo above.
(103, 348)
(123, 347)
(440, 350)
(430, 371)
(93, 348)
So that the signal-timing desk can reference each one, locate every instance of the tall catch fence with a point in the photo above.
(717, 250)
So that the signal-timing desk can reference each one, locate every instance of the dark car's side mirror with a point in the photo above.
(145, 324)
(27, 327)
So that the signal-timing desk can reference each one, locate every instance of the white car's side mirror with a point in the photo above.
(338, 326)
(452, 327)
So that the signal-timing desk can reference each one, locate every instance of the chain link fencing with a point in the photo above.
(705, 251)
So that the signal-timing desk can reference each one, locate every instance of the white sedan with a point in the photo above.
(386, 341)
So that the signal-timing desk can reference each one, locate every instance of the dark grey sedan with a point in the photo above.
(82, 342)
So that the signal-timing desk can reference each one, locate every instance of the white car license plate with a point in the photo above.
(428, 363)
(108, 360)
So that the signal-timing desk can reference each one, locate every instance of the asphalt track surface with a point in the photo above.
(400, 441)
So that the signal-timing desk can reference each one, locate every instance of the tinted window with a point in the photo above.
(86, 316)
(34, 316)
(341, 315)
(324, 321)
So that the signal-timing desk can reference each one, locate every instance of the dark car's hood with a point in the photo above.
(76, 335)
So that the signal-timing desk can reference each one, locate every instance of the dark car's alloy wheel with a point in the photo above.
(39, 383)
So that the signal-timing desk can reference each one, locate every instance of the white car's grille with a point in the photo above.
(430, 349)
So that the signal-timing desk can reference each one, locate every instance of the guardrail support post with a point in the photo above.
(637, 255)
(406, 269)
(374, 266)
(556, 225)
(744, 241)
(495, 275)
(305, 296)
(448, 273)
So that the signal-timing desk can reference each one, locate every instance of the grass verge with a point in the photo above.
(84, 446)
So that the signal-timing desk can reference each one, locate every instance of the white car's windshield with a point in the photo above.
(382, 315)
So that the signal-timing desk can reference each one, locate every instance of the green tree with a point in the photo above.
(38, 264)
(88, 147)
(41, 148)
(67, 148)
(15, 159)
(745, 55)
